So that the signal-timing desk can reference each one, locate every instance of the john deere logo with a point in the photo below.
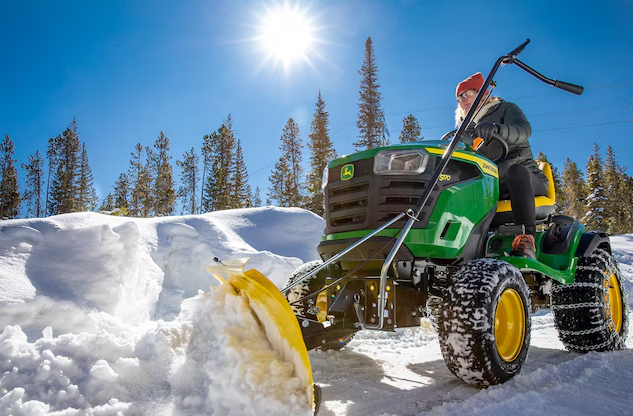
(347, 172)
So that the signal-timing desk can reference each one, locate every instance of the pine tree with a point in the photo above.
(64, 193)
(107, 206)
(410, 130)
(226, 163)
(208, 179)
(286, 178)
(321, 152)
(139, 179)
(242, 190)
(34, 185)
(164, 186)
(122, 195)
(371, 117)
(9, 186)
(257, 199)
(149, 206)
(561, 197)
(596, 199)
(626, 197)
(189, 181)
(575, 194)
(218, 158)
(52, 154)
(88, 198)
(614, 181)
(278, 184)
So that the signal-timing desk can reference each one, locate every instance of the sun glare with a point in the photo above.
(286, 35)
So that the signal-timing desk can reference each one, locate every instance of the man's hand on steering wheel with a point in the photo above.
(486, 146)
(486, 130)
(486, 135)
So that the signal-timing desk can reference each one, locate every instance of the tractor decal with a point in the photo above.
(347, 172)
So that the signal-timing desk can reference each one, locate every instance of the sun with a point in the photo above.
(286, 34)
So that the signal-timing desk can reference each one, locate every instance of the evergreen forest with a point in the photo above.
(58, 179)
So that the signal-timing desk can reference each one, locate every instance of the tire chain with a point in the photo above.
(610, 262)
(595, 347)
(560, 288)
(585, 331)
(577, 306)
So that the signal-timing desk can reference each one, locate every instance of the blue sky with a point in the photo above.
(130, 69)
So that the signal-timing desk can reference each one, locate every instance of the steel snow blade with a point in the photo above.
(275, 316)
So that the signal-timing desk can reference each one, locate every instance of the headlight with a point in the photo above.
(324, 178)
(400, 162)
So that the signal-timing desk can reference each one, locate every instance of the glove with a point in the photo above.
(486, 130)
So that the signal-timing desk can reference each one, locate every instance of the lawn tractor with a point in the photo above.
(417, 231)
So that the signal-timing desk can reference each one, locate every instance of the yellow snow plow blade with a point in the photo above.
(274, 313)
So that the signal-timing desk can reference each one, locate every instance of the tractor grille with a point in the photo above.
(348, 204)
(367, 201)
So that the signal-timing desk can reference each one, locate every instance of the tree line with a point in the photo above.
(66, 185)
(216, 177)
(601, 198)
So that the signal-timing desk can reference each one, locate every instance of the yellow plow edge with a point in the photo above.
(275, 315)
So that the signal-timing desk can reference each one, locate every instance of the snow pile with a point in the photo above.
(198, 364)
(56, 275)
(231, 368)
(91, 310)
(102, 316)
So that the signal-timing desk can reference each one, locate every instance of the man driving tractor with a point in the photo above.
(519, 175)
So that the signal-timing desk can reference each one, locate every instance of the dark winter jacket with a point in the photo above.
(515, 130)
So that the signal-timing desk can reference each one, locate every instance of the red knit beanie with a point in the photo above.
(474, 82)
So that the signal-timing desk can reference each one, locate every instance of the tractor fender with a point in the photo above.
(590, 241)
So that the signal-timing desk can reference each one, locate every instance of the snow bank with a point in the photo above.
(79, 265)
(91, 310)
(213, 359)
(65, 270)
(102, 315)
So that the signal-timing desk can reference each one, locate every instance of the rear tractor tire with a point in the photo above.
(318, 311)
(484, 326)
(591, 313)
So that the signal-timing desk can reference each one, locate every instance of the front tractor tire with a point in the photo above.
(591, 313)
(305, 288)
(484, 327)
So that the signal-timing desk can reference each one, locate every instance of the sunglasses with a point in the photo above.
(466, 95)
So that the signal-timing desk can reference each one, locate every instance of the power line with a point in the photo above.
(584, 125)
(513, 98)
(259, 170)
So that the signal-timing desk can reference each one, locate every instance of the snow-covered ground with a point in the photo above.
(102, 316)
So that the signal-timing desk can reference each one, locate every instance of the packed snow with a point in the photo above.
(104, 315)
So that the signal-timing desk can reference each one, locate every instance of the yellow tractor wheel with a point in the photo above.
(484, 324)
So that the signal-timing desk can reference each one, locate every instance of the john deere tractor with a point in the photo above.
(417, 231)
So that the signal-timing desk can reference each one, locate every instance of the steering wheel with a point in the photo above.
(495, 149)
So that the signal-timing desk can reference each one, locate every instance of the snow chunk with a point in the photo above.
(231, 367)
